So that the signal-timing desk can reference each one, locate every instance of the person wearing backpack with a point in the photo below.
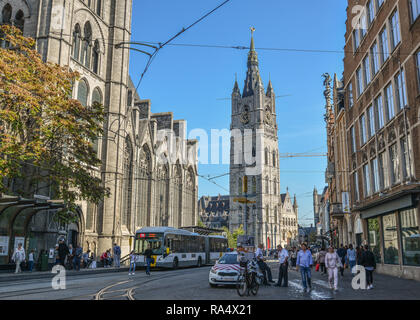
(369, 263)
(117, 255)
(18, 257)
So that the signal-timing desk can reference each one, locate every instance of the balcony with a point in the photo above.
(336, 210)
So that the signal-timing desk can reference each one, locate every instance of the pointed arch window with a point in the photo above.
(274, 159)
(77, 35)
(20, 20)
(267, 182)
(82, 93)
(95, 57)
(266, 156)
(96, 98)
(99, 7)
(275, 187)
(7, 14)
(127, 183)
(86, 45)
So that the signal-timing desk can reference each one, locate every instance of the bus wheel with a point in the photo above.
(175, 263)
(199, 263)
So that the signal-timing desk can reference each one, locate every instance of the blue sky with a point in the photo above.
(189, 80)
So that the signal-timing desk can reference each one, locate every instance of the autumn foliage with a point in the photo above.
(45, 135)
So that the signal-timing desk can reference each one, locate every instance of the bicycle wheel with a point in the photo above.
(254, 286)
(241, 286)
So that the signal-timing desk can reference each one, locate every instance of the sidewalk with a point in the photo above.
(11, 276)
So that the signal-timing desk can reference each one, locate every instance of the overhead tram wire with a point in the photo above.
(160, 45)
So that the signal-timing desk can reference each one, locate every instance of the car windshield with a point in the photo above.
(229, 259)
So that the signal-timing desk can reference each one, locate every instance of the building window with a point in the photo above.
(366, 70)
(82, 93)
(77, 35)
(371, 119)
(129, 98)
(375, 175)
(86, 46)
(405, 157)
(414, 9)
(254, 185)
(7, 14)
(363, 136)
(363, 24)
(353, 140)
(20, 20)
(400, 90)
(418, 69)
(267, 184)
(359, 82)
(390, 232)
(275, 187)
(374, 58)
(379, 4)
(389, 97)
(371, 12)
(266, 157)
(374, 238)
(384, 45)
(383, 176)
(240, 186)
(410, 237)
(356, 40)
(351, 101)
(99, 7)
(366, 180)
(394, 164)
(274, 158)
(95, 57)
(395, 30)
(379, 110)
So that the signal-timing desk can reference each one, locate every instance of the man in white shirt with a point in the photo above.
(284, 263)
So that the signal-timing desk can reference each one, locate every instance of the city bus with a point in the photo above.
(173, 248)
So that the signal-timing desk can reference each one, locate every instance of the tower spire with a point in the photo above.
(253, 78)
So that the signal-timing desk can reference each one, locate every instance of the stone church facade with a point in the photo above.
(255, 199)
(147, 162)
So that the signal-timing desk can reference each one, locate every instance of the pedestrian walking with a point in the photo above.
(148, 258)
(342, 252)
(31, 260)
(70, 257)
(283, 256)
(321, 260)
(304, 263)
(332, 263)
(18, 257)
(77, 257)
(117, 255)
(369, 263)
(63, 251)
(132, 269)
(294, 257)
(265, 269)
(351, 258)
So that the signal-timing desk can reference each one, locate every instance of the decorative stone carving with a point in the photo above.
(245, 115)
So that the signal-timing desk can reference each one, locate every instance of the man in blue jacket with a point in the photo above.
(117, 255)
(304, 263)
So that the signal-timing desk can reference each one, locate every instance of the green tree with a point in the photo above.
(45, 136)
(233, 236)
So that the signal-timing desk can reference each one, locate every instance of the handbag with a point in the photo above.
(317, 267)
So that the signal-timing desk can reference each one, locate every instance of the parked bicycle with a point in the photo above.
(250, 279)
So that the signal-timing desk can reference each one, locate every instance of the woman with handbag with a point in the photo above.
(332, 263)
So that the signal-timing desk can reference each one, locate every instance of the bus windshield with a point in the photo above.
(143, 240)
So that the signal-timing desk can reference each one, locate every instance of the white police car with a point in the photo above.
(226, 270)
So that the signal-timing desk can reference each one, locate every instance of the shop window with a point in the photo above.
(373, 237)
(410, 237)
(390, 239)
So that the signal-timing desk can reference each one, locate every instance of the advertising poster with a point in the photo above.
(4, 245)
(19, 240)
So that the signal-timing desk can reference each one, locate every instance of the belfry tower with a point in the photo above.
(255, 185)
